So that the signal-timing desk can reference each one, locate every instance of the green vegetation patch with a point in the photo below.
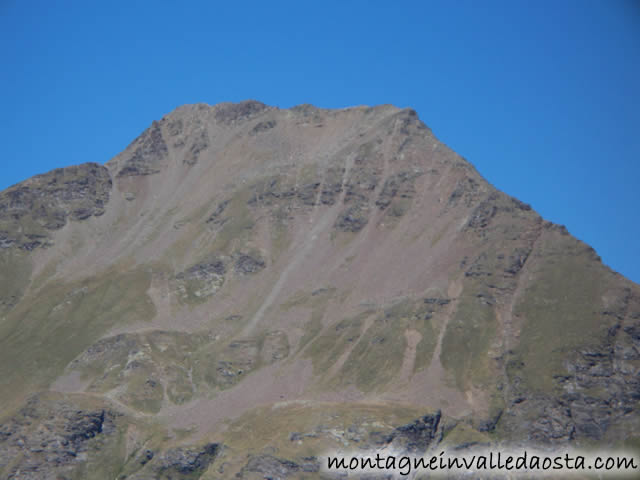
(463, 434)
(42, 335)
(378, 356)
(467, 340)
(560, 309)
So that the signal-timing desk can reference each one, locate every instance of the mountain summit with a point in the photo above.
(245, 287)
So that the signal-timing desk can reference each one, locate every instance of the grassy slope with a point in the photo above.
(48, 329)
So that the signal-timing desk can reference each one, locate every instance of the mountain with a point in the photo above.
(245, 287)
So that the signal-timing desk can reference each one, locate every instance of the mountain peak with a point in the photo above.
(322, 278)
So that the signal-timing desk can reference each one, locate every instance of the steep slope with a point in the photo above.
(320, 277)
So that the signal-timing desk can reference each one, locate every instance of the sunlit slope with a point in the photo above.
(241, 257)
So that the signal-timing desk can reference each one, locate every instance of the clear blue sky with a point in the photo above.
(543, 97)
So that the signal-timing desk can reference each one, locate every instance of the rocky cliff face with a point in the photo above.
(246, 287)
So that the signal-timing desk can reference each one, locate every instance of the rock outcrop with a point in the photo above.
(47, 440)
(31, 210)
